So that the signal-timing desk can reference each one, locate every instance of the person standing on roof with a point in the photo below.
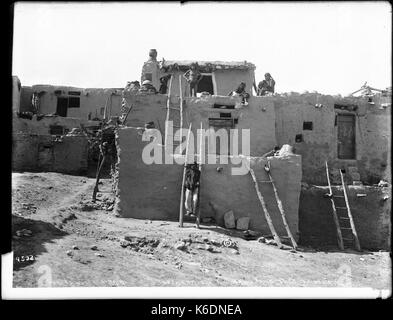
(164, 84)
(193, 76)
(193, 175)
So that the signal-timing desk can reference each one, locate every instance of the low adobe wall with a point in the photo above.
(224, 191)
(153, 191)
(43, 153)
(371, 215)
(42, 127)
(144, 191)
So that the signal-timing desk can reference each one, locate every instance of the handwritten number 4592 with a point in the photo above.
(25, 258)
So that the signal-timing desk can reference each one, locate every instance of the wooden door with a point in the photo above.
(62, 105)
(346, 136)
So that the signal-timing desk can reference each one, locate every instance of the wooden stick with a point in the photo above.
(183, 181)
(357, 244)
(200, 178)
(267, 215)
(281, 208)
(334, 211)
(168, 111)
(181, 108)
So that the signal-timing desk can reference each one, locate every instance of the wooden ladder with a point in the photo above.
(181, 215)
(343, 219)
(174, 114)
(200, 158)
(124, 111)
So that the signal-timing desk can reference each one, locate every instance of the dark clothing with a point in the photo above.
(192, 177)
(265, 87)
(163, 88)
(164, 84)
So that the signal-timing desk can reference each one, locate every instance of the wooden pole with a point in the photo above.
(334, 211)
(181, 108)
(168, 111)
(183, 181)
(198, 219)
(357, 244)
(267, 215)
(281, 208)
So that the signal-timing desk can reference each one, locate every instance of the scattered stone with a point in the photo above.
(181, 246)
(229, 220)
(24, 233)
(293, 251)
(262, 239)
(242, 223)
(75, 248)
(383, 183)
(99, 254)
(270, 242)
(93, 247)
(69, 253)
(300, 256)
(124, 243)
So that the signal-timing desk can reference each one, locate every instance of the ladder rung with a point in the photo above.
(265, 181)
(343, 218)
(342, 228)
(338, 196)
(341, 207)
(177, 126)
(348, 239)
(174, 108)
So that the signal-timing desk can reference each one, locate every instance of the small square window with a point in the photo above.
(307, 125)
(299, 138)
(73, 102)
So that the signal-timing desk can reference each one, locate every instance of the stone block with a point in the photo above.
(242, 223)
(229, 220)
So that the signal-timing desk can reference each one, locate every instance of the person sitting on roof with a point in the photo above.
(147, 87)
(193, 76)
(241, 92)
(164, 84)
(266, 86)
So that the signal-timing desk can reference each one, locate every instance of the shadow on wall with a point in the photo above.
(371, 210)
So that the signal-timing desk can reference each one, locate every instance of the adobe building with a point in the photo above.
(349, 133)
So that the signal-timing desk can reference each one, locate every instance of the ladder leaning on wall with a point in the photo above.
(174, 114)
(346, 233)
(279, 205)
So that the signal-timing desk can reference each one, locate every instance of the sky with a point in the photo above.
(329, 47)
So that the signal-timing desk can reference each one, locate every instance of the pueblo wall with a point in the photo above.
(92, 100)
(222, 191)
(153, 191)
(373, 135)
(145, 191)
(371, 214)
(42, 127)
(34, 152)
(258, 116)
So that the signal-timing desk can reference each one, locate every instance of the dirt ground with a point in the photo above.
(62, 239)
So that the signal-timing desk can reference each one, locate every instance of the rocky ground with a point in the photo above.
(62, 239)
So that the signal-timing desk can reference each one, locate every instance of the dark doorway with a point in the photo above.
(346, 136)
(62, 105)
(206, 84)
